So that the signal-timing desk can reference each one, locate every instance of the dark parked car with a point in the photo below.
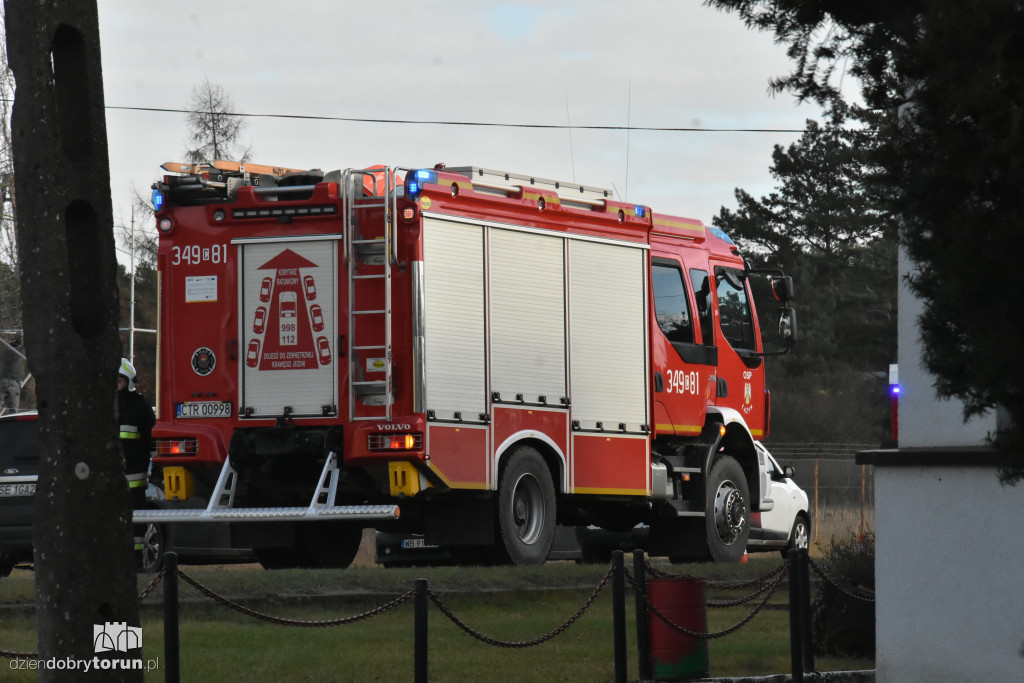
(19, 459)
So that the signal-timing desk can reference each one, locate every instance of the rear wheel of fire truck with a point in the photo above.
(727, 520)
(526, 508)
(328, 545)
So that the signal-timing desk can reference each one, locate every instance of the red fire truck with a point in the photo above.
(471, 354)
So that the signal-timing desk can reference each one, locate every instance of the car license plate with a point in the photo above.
(11, 490)
(415, 543)
(190, 409)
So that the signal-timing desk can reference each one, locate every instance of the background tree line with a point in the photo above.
(828, 225)
(948, 80)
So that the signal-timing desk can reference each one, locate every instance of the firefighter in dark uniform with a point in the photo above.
(136, 418)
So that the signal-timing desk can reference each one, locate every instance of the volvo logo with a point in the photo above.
(393, 427)
(11, 470)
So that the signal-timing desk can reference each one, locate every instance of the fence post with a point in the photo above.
(172, 647)
(805, 611)
(795, 618)
(619, 614)
(420, 622)
(643, 636)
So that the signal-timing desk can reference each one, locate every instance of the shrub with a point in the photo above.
(843, 624)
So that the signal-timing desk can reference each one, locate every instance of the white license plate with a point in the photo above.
(11, 490)
(415, 543)
(190, 409)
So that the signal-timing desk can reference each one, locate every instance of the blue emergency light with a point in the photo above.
(414, 183)
(158, 199)
(641, 211)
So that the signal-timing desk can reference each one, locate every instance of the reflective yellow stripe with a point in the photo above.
(137, 480)
(130, 435)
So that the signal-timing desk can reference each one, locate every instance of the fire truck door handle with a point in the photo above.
(723, 387)
(341, 346)
(233, 349)
(659, 382)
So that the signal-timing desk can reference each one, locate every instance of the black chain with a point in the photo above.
(832, 582)
(771, 587)
(152, 584)
(521, 643)
(662, 574)
(295, 622)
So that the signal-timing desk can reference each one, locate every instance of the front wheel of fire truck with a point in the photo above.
(526, 508)
(727, 520)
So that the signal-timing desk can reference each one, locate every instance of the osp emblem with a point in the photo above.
(203, 361)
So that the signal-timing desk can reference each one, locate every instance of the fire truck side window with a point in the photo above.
(702, 292)
(671, 305)
(734, 308)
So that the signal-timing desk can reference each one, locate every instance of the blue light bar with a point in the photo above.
(641, 211)
(417, 179)
(158, 199)
(894, 389)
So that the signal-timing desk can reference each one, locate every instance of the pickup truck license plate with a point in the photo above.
(190, 409)
(11, 490)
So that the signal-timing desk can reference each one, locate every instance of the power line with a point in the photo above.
(480, 124)
(483, 124)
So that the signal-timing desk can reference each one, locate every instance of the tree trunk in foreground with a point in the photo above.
(84, 561)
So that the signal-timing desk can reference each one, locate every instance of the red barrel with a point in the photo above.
(675, 655)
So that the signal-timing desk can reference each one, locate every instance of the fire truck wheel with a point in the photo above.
(526, 507)
(151, 557)
(727, 521)
(328, 545)
(277, 558)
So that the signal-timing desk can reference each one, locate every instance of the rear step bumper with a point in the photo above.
(279, 514)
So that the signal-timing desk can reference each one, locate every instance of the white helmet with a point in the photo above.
(127, 370)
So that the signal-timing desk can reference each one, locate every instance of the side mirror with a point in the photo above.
(788, 471)
(787, 326)
(782, 288)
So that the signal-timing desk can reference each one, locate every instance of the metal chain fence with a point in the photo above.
(764, 586)
(835, 584)
(771, 582)
(521, 643)
(295, 622)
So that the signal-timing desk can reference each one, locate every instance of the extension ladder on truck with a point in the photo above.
(369, 255)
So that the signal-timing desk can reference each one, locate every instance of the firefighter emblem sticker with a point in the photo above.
(203, 361)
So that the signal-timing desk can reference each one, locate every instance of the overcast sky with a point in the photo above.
(672, 63)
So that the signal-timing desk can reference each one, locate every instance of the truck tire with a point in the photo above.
(727, 513)
(526, 508)
(277, 558)
(328, 545)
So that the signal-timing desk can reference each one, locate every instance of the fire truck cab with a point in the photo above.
(471, 354)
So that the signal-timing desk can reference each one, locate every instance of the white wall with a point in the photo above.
(949, 553)
(924, 419)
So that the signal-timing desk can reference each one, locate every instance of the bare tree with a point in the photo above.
(12, 360)
(214, 125)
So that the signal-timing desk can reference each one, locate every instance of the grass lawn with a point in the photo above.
(507, 603)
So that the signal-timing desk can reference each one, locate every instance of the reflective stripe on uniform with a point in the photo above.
(129, 432)
(137, 480)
